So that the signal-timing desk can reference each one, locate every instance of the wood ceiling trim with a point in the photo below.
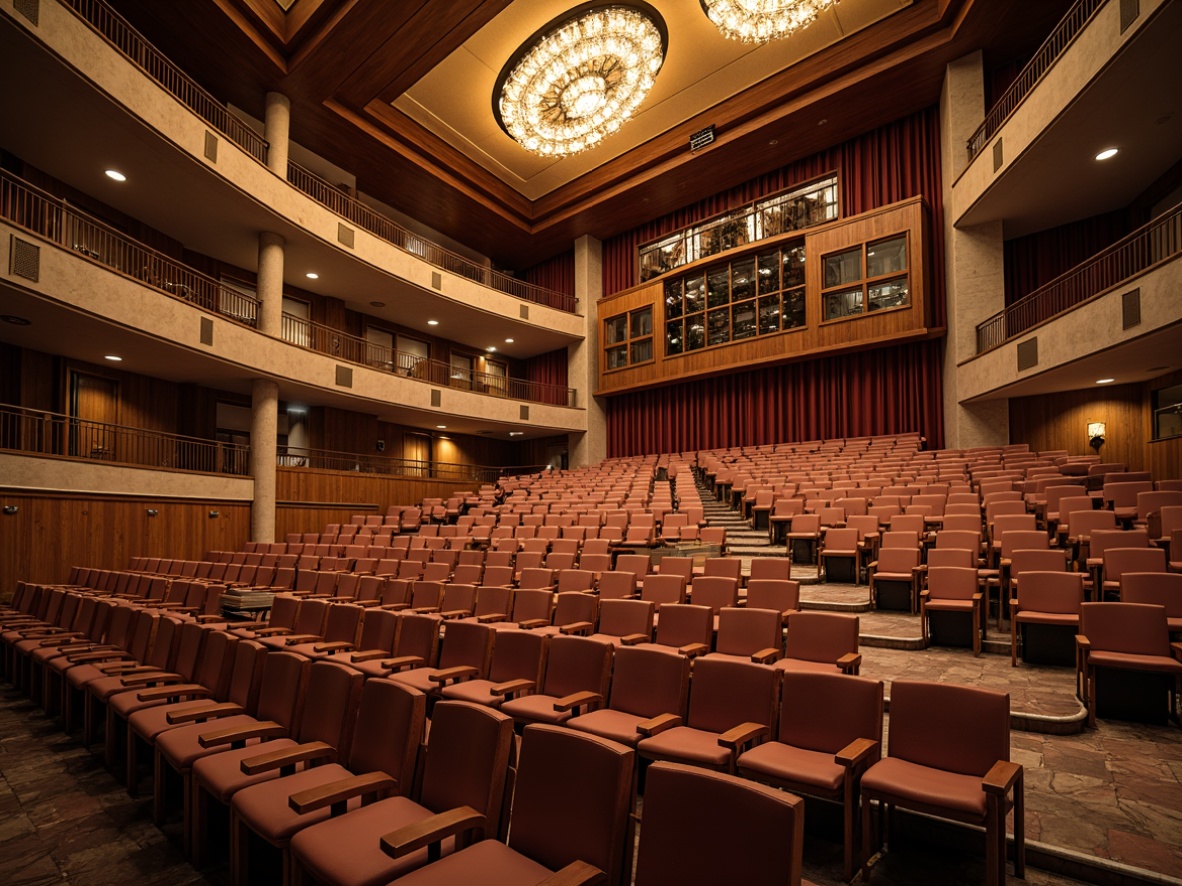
(248, 23)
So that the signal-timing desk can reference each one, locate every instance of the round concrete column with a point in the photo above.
(276, 126)
(270, 284)
(264, 450)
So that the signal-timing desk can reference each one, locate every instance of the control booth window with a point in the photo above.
(869, 277)
(628, 338)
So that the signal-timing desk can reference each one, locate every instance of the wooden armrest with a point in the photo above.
(285, 757)
(693, 650)
(1093, 562)
(455, 613)
(435, 829)
(1083, 644)
(335, 646)
(512, 687)
(123, 668)
(856, 752)
(143, 678)
(341, 792)
(264, 729)
(368, 655)
(633, 639)
(581, 628)
(394, 607)
(174, 690)
(577, 873)
(460, 672)
(577, 699)
(99, 655)
(850, 662)
(271, 632)
(490, 617)
(1176, 649)
(401, 661)
(208, 619)
(530, 623)
(296, 639)
(737, 736)
(200, 713)
(424, 610)
(658, 724)
(765, 656)
(1001, 777)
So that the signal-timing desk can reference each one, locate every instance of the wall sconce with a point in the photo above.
(1096, 431)
(9, 510)
(152, 512)
(213, 514)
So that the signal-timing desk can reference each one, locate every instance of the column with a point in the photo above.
(270, 284)
(583, 358)
(264, 451)
(276, 126)
(974, 263)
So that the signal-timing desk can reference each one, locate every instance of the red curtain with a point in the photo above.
(885, 391)
(549, 369)
(557, 273)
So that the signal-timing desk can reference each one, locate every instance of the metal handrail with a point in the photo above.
(1149, 245)
(365, 217)
(1061, 37)
(56, 220)
(109, 24)
(40, 432)
(353, 349)
(330, 460)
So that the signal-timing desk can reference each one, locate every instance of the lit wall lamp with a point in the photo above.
(213, 514)
(1096, 431)
(152, 512)
(10, 509)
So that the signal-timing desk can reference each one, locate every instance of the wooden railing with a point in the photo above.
(352, 349)
(56, 220)
(1156, 242)
(365, 217)
(1065, 32)
(328, 460)
(120, 34)
(39, 432)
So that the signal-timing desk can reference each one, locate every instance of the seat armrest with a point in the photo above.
(693, 650)
(143, 678)
(578, 699)
(582, 628)
(530, 623)
(341, 792)
(265, 729)
(394, 607)
(335, 646)
(658, 724)
(512, 688)
(577, 873)
(295, 639)
(1083, 644)
(1176, 649)
(401, 661)
(271, 632)
(766, 656)
(460, 672)
(1001, 777)
(435, 829)
(123, 668)
(850, 662)
(856, 752)
(490, 617)
(455, 613)
(369, 655)
(424, 610)
(201, 713)
(739, 736)
(288, 757)
(633, 639)
(99, 655)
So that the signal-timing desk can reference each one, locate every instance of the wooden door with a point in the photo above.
(94, 409)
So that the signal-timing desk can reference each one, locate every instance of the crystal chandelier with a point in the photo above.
(758, 21)
(580, 78)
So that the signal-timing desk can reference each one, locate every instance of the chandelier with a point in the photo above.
(580, 78)
(758, 21)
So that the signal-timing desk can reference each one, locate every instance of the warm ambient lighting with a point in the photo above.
(580, 78)
(1105, 154)
(516, 433)
(116, 175)
(508, 341)
(432, 322)
(491, 349)
(312, 275)
(1105, 381)
(758, 21)
(1096, 431)
(113, 358)
(442, 427)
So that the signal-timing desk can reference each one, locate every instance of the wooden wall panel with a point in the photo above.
(348, 489)
(51, 533)
(1059, 421)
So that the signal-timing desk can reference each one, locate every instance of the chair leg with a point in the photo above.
(867, 830)
(1090, 695)
(1020, 826)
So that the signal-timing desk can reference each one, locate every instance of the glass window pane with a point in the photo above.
(886, 257)
(888, 294)
(793, 316)
(695, 332)
(673, 298)
(793, 266)
(743, 279)
(617, 329)
(718, 327)
(642, 322)
(642, 350)
(843, 304)
(718, 287)
(674, 343)
(617, 358)
(743, 320)
(842, 267)
(769, 273)
(694, 296)
(769, 314)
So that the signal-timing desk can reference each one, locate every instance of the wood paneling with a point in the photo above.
(51, 533)
(1059, 421)
(299, 486)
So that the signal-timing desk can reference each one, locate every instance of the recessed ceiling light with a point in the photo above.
(113, 358)
(508, 341)
(377, 304)
(442, 427)
(1106, 153)
(491, 349)
(116, 175)
(312, 275)
(15, 320)
(516, 433)
(1104, 381)
(432, 322)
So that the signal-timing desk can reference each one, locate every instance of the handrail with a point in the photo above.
(353, 349)
(109, 24)
(1151, 244)
(330, 460)
(1061, 37)
(41, 432)
(57, 221)
(363, 216)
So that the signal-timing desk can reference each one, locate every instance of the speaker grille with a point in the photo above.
(1027, 354)
(344, 377)
(344, 235)
(206, 331)
(997, 155)
(1130, 309)
(524, 312)
(524, 413)
(1129, 10)
(30, 9)
(211, 147)
(25, 260)
(436, 398)
(436, 280)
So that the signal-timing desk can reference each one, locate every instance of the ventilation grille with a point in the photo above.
(525, 413)
(31, 9)
(344, 377)
(26, 260)
(997, 155)
(1130, 309)
(206, 331)
(1027, 354)
(524, 312)
(436, 280)
(1129, 10)
(436, 398)
(344, 235)
(211, 147)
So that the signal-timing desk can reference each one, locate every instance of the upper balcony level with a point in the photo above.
(98, 96)
(1107, 77)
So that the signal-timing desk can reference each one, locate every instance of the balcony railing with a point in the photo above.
(49, 433)
(327, 460)
(1156, 242)
(364, 217)
(352, 349)
(56, 220)
(120, 34)
(1065, 32)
